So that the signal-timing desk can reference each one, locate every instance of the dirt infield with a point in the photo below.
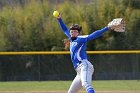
(66, 92)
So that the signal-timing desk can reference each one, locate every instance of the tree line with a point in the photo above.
(32, 27)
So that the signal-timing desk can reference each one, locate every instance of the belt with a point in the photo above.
(80, 62)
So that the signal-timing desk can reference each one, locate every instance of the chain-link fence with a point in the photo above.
(59, 67)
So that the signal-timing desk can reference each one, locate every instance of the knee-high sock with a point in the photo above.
(91, 90)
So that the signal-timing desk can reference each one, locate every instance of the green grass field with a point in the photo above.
(108, 85)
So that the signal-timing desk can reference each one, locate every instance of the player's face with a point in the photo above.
(74, 33)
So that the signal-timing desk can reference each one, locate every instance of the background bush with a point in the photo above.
(30, 26)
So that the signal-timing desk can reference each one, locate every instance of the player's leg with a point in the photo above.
(76, 85)
(86, 76)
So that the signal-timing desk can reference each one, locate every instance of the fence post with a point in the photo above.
(137, 67)
(39, 71)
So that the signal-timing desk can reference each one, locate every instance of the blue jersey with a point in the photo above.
(78, 46)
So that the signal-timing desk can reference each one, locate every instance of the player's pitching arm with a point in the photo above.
(57, 15)
(64, 27)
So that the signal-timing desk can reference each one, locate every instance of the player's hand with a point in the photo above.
(56, 14)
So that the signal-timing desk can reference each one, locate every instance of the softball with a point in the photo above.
(55, 14)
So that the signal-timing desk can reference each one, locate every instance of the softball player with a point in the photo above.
(79, 59)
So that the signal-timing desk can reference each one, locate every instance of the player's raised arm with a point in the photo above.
(117, 25)
(64, 27)
(97, 33)
(57, 15)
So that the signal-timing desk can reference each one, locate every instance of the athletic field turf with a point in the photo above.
(108, 86)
